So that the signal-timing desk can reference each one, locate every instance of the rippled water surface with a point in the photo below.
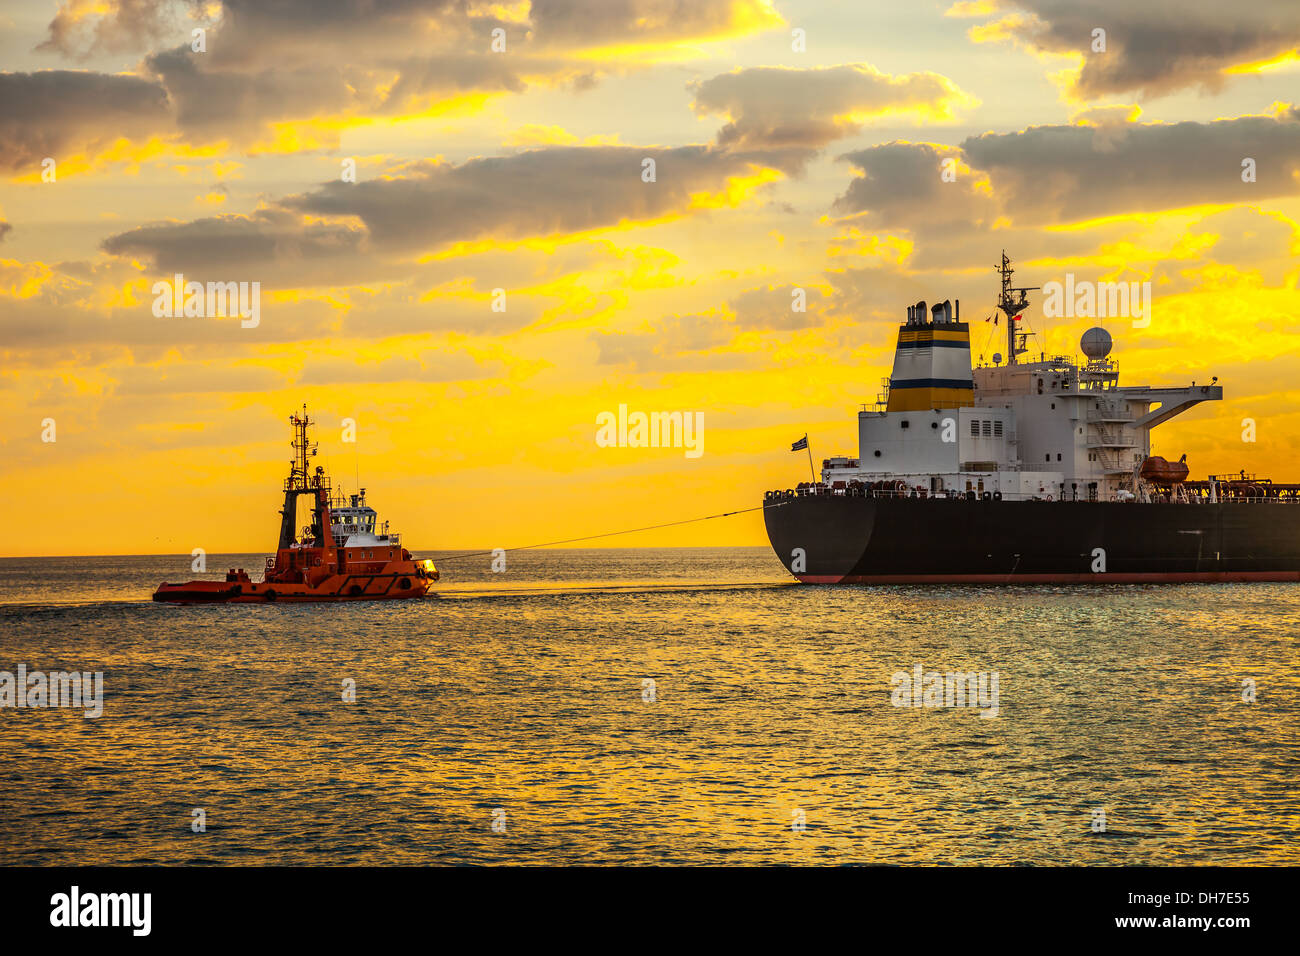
(524, 692)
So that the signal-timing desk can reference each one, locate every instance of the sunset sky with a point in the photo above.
(777, 167)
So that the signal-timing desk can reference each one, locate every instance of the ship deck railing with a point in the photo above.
(1279, 497)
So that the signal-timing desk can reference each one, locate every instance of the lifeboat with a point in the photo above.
(341, 556)
(1159, 471)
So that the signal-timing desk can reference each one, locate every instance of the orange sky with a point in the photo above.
(795, 147)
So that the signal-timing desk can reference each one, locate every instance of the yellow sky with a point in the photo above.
(795, 147)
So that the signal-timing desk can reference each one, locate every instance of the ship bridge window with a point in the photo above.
(997, 429)
(974, 428)
(988, 428)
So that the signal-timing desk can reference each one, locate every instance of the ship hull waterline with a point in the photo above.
(844, 539)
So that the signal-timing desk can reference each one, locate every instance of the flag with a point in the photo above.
(1016, 319)
(800, 445)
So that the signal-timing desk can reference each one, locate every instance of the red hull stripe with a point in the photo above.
(1154, 577)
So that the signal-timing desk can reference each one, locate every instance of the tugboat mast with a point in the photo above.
(1012, 302)
(299, 482)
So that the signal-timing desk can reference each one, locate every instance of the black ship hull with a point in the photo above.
(843, 539)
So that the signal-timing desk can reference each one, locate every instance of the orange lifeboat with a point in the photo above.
(1161, 472)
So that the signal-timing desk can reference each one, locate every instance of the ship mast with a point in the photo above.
(1012, 302)
(298, 471)
(299, 482)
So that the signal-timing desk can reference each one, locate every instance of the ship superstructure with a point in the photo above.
(1010, 439)
(1051, 428)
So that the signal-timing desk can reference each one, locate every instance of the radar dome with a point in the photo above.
(1095, 343)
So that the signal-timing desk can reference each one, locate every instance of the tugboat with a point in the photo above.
(1025, 473)
(353, 561)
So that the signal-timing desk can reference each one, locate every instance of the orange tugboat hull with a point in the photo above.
(338, 587)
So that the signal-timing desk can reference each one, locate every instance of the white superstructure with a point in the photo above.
(1055, 428)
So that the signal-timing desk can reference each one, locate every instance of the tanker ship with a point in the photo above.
(1024, 472)
(342, 555)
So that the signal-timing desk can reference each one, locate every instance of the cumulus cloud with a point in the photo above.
(535, 193)
(209, 247)
(303, 60)
(1071, 173)
(1155, 47)
(902, 188)
(57, 112)
(84, 27)
(780, 108)
(1058, 174)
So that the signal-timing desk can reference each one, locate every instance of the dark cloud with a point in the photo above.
(1060, 174)
(5, 229)
(1070, 173)
(1156, 46)
(226, 247)
(779, 108)
(298, 60)
(232, 105)
(58, 112)
(902, 187)
(536, 193)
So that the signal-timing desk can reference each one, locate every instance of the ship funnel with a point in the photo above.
(932, 367)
